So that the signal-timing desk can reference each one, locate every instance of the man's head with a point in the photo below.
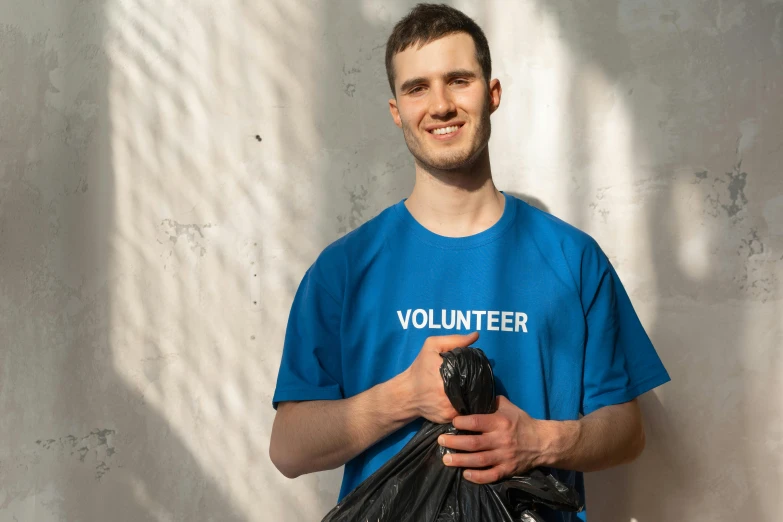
(429, 22)
(438, 64)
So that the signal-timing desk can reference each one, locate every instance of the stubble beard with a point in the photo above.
(451, 160)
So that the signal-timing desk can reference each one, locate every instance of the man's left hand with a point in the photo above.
(509, 442)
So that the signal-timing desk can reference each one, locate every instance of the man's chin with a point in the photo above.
(452, 166)
(447, 163)
(459, 157)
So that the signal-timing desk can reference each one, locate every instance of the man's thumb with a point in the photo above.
(446, 343)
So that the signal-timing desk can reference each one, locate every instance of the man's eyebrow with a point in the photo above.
(457, 73)
(460, 73)
(407, 84)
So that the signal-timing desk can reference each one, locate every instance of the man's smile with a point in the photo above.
(445, 132)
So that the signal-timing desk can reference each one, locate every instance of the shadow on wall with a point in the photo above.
(97, 449)
(694, 465)
(530, 200)
(84, 446)
(189, 360)
(102, 370)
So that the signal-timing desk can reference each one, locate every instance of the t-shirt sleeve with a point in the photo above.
(310, 368)
(620, 361)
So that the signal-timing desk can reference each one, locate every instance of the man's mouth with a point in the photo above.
(445, 131)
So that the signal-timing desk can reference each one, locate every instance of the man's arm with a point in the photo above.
(511, 442)
(318, 435)
(607, 437)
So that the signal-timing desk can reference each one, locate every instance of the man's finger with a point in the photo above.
(484, 476)
(479, 423)
(472, 461)
(445, 343)
(465, 442)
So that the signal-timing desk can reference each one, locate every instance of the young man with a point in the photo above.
(455, 260)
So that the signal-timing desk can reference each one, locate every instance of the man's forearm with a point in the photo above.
(318, 435)
(607, 437)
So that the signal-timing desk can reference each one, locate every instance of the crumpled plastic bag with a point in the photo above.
(415, 485)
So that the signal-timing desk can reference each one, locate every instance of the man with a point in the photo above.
(455, 260)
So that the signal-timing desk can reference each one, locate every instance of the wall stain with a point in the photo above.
(597, 206)
(349, 87)
(726, 202)
(737, 201)
(600, 210)
(355, 217)
(753, 245)
(189, 232)
(737, 182)
(98, 441)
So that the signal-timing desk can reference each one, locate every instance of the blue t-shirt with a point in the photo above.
(555, 321)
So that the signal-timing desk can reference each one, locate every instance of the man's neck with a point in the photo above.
(456, 203)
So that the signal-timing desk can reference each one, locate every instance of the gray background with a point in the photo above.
(150, 243)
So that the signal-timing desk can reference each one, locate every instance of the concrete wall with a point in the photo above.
(168, 170)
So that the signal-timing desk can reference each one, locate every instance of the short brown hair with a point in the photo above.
(429, 22)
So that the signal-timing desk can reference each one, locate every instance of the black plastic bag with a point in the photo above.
(415, 485)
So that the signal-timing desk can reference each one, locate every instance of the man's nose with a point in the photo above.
(441, 102)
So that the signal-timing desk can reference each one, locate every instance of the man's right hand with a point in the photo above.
(316, 435)
(424, 382)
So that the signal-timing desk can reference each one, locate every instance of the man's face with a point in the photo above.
(443, 103)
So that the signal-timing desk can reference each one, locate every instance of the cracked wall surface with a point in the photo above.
(169, 170)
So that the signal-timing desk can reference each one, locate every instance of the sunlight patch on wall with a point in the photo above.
(570, 134)
(619, 215)
(693, 249)
(535, 70)
(211, 109)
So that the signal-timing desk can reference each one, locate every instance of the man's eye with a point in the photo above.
(415, 90)
(460, 81)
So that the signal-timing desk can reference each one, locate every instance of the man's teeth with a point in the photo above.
(446, 130)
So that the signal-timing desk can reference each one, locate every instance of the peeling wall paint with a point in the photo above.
(168, 172)
(98, 445)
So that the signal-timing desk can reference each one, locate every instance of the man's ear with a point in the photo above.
(495, 90)
(395, 112)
